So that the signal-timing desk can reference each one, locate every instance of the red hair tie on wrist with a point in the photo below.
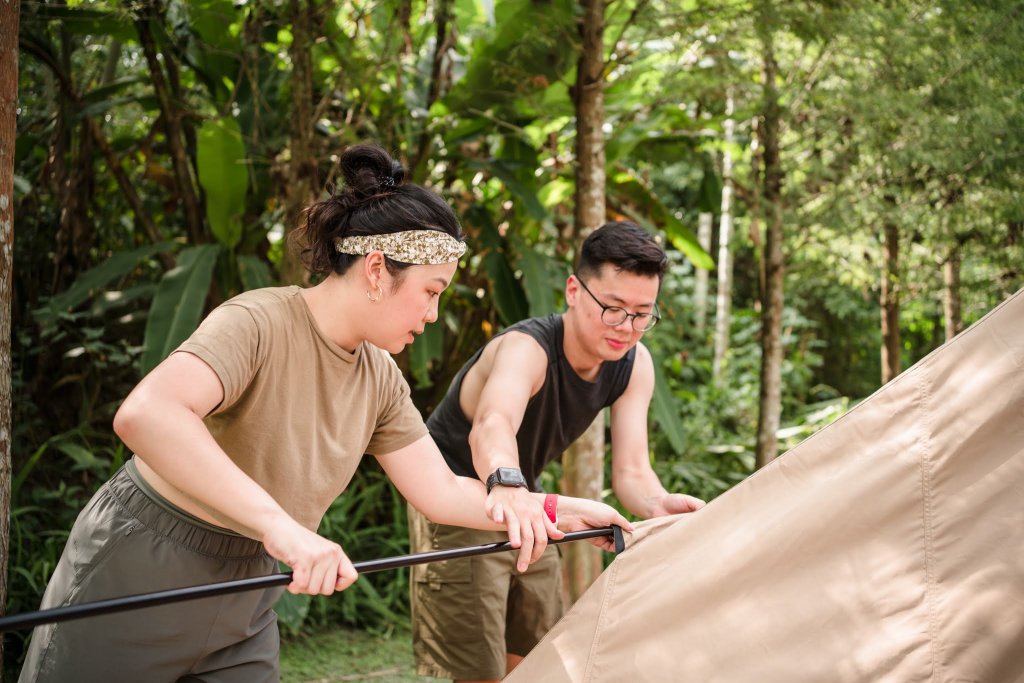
(551, 507)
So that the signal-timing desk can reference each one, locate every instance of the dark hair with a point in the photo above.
(626, 246)
(376, 200)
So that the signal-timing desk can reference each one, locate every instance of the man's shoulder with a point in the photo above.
(519, 343)
(544, 332)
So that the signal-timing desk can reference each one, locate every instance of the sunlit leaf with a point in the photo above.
(224, 175)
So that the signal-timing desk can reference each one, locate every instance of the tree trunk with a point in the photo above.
(890, 304)
(723, 301)
(142, 217)
(9, 16)
(770, 399)
(443, 41)
(700, 294)
(302, 185)
(951, 290)
(583, 474)
(171, 115)
(583, 477)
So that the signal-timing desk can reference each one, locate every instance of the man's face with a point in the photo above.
(609, 288)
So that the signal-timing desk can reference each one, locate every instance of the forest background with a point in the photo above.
(836, 183)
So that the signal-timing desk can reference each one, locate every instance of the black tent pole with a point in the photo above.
(91, 609)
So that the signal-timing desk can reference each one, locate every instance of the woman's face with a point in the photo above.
(411, 305)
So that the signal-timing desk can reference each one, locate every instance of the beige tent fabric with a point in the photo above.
(887, 547)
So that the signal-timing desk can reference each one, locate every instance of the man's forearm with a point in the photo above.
(639, 492)
(493, 444)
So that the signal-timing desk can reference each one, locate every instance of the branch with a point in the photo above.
(172, 124)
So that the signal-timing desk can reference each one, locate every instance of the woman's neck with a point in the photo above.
(336, 310)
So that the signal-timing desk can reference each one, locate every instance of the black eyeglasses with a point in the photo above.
(613, 316)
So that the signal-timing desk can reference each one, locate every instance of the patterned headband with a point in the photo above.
(421, 247)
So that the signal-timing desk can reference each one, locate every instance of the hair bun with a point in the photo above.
(368, 170)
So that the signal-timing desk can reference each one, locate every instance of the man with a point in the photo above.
(517, 404)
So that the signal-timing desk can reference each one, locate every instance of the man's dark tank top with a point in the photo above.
(555, 416)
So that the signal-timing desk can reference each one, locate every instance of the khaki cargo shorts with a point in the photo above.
(128, 540)
(468, 613)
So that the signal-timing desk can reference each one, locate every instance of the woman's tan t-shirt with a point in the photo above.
(299, 411)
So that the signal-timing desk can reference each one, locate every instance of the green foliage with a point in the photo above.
(178, 303)
(224, 177)
(704, 440)
(505, 74)
(369, 521)
(918, 125)
(89, 284)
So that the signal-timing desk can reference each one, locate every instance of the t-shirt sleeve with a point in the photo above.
(228, 340)
(399, 423)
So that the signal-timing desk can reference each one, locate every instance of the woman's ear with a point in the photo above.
(374, 268)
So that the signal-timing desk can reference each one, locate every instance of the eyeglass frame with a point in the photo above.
(632, 317)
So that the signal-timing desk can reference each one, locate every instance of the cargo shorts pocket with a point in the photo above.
(437, 574)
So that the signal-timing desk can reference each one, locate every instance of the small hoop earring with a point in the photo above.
(375, 299)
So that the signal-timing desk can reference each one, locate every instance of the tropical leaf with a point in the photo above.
(710, 190)
(426, 350)
(292, 610)
(542, 278)
(666, 411)
(178, 303)
(649, 212)
(214, 52)
(92, 281)
(506, 292)
(504, 72)
(526, 192)
(83, 457)
(254, 271)
(224, 175)
(82, 21)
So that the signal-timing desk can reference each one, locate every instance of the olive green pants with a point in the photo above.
(467, 614)
(128, 540)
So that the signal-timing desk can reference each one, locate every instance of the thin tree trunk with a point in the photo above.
(890, 304)
(700, 294)
(770, 399)
(443, 41)
(583, 477)
(951, 290)
(302, 169)
(583, 462)
(171, 115)
(9, 17)
(127, 189)
(723, 301)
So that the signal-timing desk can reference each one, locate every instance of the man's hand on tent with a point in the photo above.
(675, 504)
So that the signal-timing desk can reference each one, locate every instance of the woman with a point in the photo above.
(244, 436)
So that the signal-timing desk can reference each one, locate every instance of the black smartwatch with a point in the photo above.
(506, 476)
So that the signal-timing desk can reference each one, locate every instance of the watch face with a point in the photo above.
(510, 476)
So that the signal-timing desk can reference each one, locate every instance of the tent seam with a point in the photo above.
(613, 573)
(928, 522)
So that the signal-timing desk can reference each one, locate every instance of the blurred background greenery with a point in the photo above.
(165, 149)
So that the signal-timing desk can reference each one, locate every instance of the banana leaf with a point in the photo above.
(178, 304)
